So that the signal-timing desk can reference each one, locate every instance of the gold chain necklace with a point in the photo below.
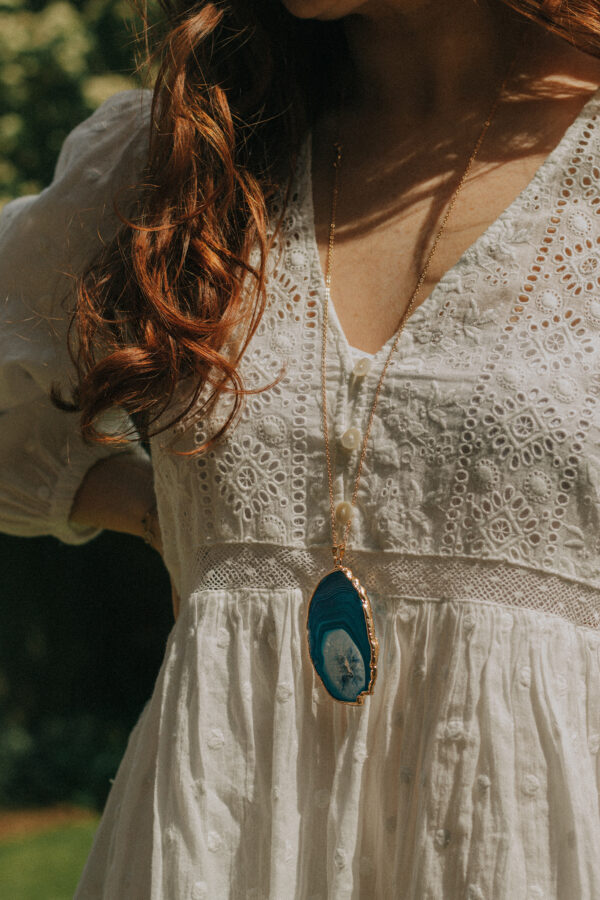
(341, 634)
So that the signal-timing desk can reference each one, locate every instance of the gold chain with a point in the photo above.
(339, 547)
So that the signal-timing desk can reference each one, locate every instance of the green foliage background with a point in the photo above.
(58, 61)
(82, 629)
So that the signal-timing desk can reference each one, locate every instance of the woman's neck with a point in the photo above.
(422, 58)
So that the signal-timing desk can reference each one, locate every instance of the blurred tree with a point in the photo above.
(82, 629)
(82, 636)
(58, 62)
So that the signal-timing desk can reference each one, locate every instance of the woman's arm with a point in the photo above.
(116, 493)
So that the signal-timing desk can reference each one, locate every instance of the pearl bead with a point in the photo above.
(361, 366)
(351, 439)
(343, 512)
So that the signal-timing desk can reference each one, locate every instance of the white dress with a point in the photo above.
(473, 772)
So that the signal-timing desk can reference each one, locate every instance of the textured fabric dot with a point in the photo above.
(214, 841)
(468, 622)
(199, 891)
(340, 858)
(525, 676)
(284, 692)
(474, 892)
(580, 223)
(442, 837)
(549, 300)
(483, 782)
(406, 613)
(454, 729)
(215, 739)
(530, 785)
(200, 787)
(223, 638)
(535, 892)
(360, 754)
(296, 259)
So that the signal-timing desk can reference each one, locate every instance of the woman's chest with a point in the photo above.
(486, 437)
(395, 203)
(485, 440)
(379, 261)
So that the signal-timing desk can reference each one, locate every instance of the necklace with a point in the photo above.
(341, 636)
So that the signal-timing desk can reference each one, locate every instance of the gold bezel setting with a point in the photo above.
(369, 625)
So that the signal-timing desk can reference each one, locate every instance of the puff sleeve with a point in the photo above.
(44, 241)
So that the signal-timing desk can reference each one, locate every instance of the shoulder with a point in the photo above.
(60, 229)
(117, 131)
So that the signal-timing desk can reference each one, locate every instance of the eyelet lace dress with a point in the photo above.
(473, 772)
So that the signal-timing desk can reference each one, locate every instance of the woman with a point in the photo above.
(465, 764)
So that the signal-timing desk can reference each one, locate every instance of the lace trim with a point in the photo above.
(391, 576)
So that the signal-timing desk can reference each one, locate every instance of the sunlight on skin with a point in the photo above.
(420, 81)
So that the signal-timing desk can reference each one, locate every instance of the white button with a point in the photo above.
(351, 439)
(343, 512)
(361, 366)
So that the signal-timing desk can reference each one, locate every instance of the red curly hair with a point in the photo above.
(233, 98)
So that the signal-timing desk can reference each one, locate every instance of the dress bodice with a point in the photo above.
(485, 444)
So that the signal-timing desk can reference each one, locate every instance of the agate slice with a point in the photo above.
(341, 639)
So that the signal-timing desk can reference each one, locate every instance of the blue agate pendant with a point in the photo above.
(341, 637)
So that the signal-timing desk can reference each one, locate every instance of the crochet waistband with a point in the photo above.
(389, 576)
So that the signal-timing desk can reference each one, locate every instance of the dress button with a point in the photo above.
(361, 366)
(351, 439)
(343, 512)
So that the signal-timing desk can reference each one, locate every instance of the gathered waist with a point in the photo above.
(388, 576)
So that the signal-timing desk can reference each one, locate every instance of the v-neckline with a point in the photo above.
(345, 349)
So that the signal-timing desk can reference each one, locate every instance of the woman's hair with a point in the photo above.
(576, 20)
(237, 89)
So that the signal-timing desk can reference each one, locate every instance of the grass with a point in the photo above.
(45, 866)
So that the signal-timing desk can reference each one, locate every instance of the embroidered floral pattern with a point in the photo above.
(481, 442)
